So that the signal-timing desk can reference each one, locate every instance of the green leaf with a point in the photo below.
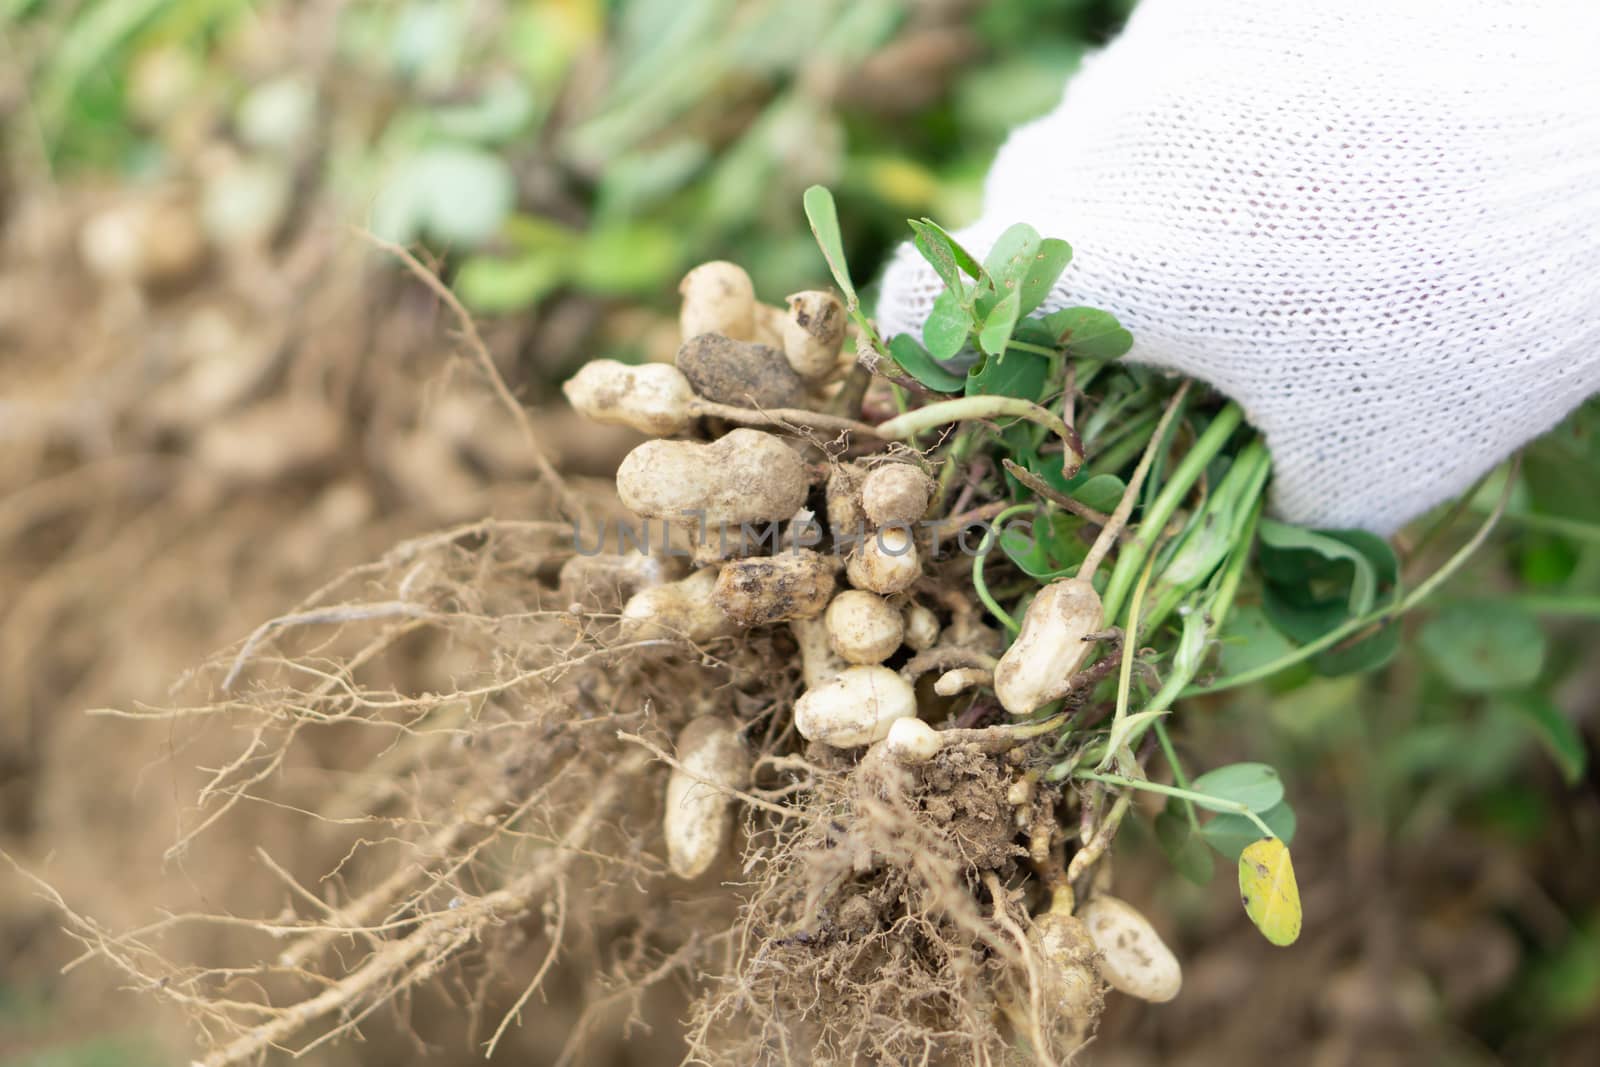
(942, 253)
(1103, 492)
(1559, 469)
(1554, 730)
(917, 362)
(1047, 549)
(1231, 834)
(1099, 491)
(1267, 887)
(947, 327)
(1047, 468)
(1034, 332)
(1010, 259)
(1026, 80)
(1020, 374)
(1183, 847)
(1306, 624)
(493, 285)
(998, 326)
(453, 194)
(633, 184)
(1249, 640)
(1478, 646)
(1544, 560)
(1285, 538)
(1255, 785)
(963, 259)
(626, 259)
(823, 215)
(1368, 654)
(1562, 984)
(1089, 333)
(1048, 262)
(1317, 580)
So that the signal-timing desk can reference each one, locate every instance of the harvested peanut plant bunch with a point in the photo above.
(868, 692)
(1042, 548)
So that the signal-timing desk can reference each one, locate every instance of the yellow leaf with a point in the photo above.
(1271, 898)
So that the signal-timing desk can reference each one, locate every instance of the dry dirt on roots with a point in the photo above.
(405, 833)
(879, 930)
(421, 806)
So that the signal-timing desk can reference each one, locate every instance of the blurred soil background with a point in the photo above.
(218, 393)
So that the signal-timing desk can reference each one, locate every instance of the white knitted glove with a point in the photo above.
(1374, 223)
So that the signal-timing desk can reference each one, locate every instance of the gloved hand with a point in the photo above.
(1375, 224)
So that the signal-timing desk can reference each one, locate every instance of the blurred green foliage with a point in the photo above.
(597, 146)
(28, 1039)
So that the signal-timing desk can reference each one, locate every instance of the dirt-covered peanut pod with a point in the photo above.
(652, 398)
(767, 589)
(684, 608)
(744, 476)
(895, 494)
(742, 373)
(1051, 647)
(886, 562)
(843, 492)
(1133, 958)
(718, 297)
(856, 707)
(605, 581)
(912, 741)
(863, 628)
(1072, 991)
(813, 333)
(699, 811)
(819, 663)
(921, 627)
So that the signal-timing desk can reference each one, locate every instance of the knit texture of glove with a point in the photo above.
(1376, 225)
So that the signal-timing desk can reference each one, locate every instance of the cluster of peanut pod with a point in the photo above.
(745, 363)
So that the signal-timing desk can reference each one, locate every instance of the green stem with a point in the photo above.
(1553, 604)
(978, 584)
(1111, 408)
(1226, 521)
(970, 407)
(1122, 449)
(1130, 644)
(1171, 752)
(1381, 617)
(1031, 729)
(1131, 556)
(1118, 519)
(1186, 661)
(982, 407)
(960, 448)
(1158, 468)
(1203, 799)
(1575, 529)
(1233, 575)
